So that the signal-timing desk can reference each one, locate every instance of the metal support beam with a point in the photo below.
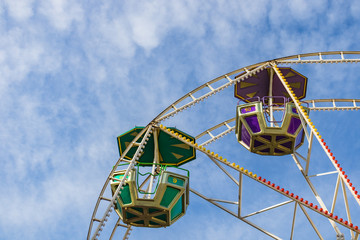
(335, 193)
(309, 153)
(270, 99)
(240, 193)
(293, 222)
(224, 170)
(235, 215)
(317, 196)
(311, 222)
(346, 205)
(268, 208)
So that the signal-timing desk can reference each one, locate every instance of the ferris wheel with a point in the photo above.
(149, 185)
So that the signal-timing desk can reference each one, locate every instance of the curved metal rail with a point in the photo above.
(230, 78)
(220, 162)
(101, 222)
(226, 80)
(328, 105)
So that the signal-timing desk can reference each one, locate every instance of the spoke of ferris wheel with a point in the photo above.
(346, 205)
(309, 153)
(118, 224)
(268, 208)
(322, 174)
(318, 137)
(224, 170)
(235, 215)
(119, 187)
(101, 196)
(212, 200)
(264, 182)
(239, 183)
(293, 221)
(305, 176)
(240, 193)
(306, 159)
(191, 100)
(312, 187)
(127, 233)
(335, 193)
(271, 207)
(311, 222)
(305, 117)
(345, 200)
(229, 128)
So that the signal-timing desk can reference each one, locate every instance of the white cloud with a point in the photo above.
(20, 10)
(62, 13)
(75, 76)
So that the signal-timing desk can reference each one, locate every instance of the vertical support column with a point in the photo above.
(309, 154)
(240, 194)
(270, 95)
(156, 160)
(335, 193)
(346, 205)
(293, 221)
(317, 196)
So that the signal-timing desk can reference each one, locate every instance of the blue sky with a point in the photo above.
(76, 74)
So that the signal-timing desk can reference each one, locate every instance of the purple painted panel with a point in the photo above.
(294, 125)
(298, 138)
(278, 150)
(266, 150)
(247, 109)
(257, 143)
(253, 123)
(258, 85)
(267, 137)
(296, 80)
(294, 110)
(287, 144)
(278, 138)
(245, 136)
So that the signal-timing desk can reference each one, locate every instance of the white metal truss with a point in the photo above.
(230, 78)
(207, 137)
(223, 165)
(99, 219)
(111, 202)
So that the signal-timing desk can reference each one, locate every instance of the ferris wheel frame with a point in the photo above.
(208, 136)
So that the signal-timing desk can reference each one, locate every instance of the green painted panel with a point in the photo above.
(125, 194)
(129, 215)
(140, 222)
(152, 210)
(169, 195)
(138, 209)
(177, 209)
(118, 206)
(153, 223)
(126, 138)
(120, 176)
(162, 217)
(174, 151)
(177, 181)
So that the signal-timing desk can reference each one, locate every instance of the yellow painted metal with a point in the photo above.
(167, 206)
(274, 140)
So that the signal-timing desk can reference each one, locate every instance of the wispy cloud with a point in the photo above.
(75, 74)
